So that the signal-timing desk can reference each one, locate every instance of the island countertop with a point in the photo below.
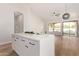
(33, 44)
(36, 36)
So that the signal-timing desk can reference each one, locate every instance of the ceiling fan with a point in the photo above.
(54, 13)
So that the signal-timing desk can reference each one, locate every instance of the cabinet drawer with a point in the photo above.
(31, 48)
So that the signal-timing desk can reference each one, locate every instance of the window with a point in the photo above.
(51, 27)
(55, 27)
(66, 28)
(70, 28)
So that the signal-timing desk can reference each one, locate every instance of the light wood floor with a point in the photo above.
(6, 50)
(66, 46)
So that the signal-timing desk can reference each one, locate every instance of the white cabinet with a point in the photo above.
(33, 45)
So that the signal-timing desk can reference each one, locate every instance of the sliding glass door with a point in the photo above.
(70, 28)
(65, 28)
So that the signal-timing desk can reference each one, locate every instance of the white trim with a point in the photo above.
(5, 43)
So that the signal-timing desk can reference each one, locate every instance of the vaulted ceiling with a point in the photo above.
(45, 10)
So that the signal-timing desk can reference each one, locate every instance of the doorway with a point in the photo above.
(18, 22)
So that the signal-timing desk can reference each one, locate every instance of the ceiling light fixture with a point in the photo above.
(66, 15)
(54, 13)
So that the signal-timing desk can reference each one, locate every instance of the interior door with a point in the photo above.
(18, 22)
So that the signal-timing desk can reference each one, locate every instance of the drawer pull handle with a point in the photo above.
(26, 46)
(14, 40)
(17, 38)
(22, 40)
(31, 43)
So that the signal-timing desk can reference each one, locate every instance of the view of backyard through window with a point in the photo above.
(57, 27)
(51, 27)
(68, 28)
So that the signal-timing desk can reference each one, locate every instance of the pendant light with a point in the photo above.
(66, 15)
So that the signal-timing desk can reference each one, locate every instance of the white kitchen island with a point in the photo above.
(33, 44)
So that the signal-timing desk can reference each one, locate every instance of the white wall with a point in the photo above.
(7, 21)
(31, 21)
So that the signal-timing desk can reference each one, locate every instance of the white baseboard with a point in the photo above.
(5, 43)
